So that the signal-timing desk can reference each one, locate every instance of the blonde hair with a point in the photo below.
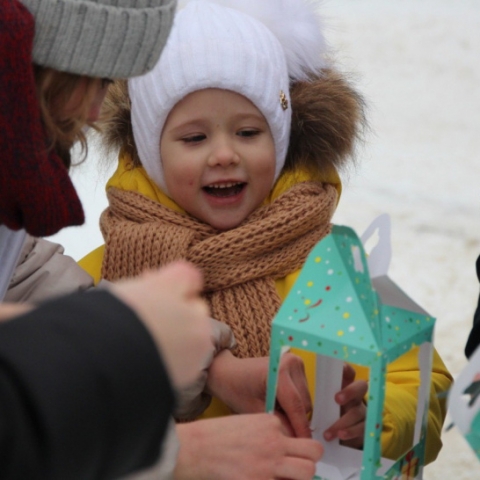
(54, 90)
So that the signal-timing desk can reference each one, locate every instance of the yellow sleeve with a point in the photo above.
(403, 379)
(92, 263)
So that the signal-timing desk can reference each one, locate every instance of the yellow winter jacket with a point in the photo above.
(403, 374)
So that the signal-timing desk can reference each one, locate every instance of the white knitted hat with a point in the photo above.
(251, 47)
(100, 38)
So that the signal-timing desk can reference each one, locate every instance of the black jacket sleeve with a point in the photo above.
(474, 337)
(83, 391)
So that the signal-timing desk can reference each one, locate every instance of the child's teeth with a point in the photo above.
(225, 185)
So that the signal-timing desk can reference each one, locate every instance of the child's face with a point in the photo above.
(218, 157)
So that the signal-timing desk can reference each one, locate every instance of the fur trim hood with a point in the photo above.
(327, 121)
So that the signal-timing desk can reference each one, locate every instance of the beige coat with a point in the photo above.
(44, 272)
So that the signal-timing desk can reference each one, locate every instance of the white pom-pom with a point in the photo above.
(297, 25)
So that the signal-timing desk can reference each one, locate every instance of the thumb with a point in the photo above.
(187, 278)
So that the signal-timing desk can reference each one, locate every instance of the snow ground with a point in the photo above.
(416, 62)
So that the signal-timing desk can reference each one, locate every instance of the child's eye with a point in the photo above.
(248, 133)
(194, 138)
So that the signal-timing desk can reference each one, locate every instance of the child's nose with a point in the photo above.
(223, 154)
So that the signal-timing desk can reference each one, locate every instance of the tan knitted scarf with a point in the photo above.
(240, 266)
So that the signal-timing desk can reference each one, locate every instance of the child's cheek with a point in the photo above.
(190, 176)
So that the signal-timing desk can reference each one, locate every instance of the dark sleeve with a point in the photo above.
(474, 337)
(83, 391)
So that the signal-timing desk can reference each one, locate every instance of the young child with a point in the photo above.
(229, 159)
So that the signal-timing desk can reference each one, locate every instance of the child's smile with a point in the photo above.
(225, 190)
(218, 157)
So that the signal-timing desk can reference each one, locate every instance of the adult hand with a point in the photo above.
(10, 310)
(168, 302)
(243, 446)
(242, 385)
(350, 427)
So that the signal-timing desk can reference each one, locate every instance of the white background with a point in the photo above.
(417, 62)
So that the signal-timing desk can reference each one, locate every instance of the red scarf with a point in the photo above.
(36, 192)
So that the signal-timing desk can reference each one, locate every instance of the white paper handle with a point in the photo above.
(381, 254)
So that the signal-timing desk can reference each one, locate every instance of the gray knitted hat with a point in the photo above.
(100, 38)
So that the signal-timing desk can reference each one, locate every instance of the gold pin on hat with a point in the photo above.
(283, 100)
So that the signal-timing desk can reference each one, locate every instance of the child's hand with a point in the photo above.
(350, 427)
(242, 385)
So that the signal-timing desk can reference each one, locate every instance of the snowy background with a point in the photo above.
(417, 62)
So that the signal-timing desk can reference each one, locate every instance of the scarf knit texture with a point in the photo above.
(36, 192)
(239, 266)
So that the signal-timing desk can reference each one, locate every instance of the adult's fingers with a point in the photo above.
(293, 395)
(286, 426)
(300, 460)
(10, 310)
(300, 380)
(188, 278)
(294, 409)
(305, 448)
(296, 469)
